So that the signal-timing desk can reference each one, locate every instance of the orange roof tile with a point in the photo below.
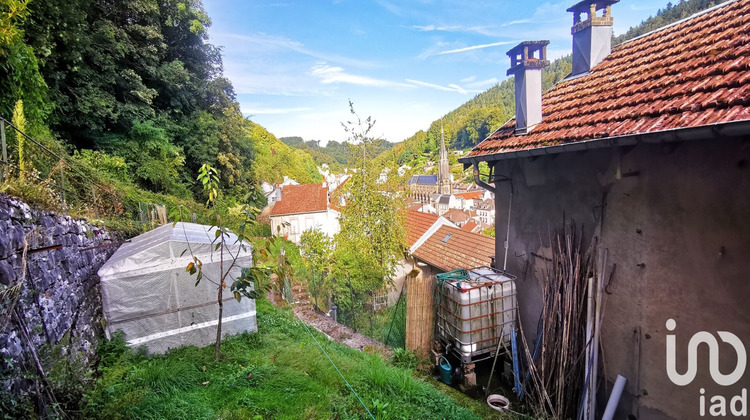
(693, 73)
(456, 215)
(471, 195)
(461, 249)
(305, 198)
(469, 227)
(417, 223)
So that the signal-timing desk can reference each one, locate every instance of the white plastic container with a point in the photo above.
(473, 314)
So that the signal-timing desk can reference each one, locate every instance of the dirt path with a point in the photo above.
(304, 310)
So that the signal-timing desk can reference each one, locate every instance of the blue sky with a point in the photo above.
(296, 64)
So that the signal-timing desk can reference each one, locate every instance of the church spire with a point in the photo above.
(444, 175)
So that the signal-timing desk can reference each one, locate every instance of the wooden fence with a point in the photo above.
(420, 314)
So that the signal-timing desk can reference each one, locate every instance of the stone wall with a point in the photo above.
(60, 299)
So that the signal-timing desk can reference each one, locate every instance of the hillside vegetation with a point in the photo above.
(335, 154)
(132, 94)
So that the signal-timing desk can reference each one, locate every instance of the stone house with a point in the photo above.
(646, 146)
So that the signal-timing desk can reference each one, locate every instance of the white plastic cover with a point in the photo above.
(148, 294)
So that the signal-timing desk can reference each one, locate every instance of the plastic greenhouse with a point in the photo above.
(148, 294)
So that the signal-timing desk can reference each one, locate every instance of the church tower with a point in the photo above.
(444, 174)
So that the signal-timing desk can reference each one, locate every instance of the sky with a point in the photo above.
(296, 64)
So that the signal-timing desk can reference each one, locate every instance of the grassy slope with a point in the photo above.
(277, 373)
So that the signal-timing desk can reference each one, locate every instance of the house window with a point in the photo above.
(294, 227)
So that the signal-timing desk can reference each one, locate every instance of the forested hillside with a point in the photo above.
(470, 123)
(671, 13)
(138, 82)
(335, 154)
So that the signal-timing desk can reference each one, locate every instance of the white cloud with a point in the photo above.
(333, 75)
(472, 48)
(516, 22)
(469, 79)
(482, 84)
(258, 42)
(450, 88)
(259, 110)
(458, 88)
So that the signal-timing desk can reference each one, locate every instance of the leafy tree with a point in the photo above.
(317, 248)
(155, 161)
(20, 79)
(370, 241)
(243, 286)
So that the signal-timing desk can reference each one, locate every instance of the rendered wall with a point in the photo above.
(677, 226)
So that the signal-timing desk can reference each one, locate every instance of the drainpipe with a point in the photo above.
(479, 182)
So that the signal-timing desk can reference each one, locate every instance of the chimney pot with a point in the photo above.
(527, 60)
(592, 37)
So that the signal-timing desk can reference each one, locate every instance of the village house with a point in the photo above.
(304, 207)
(472, 227)
(449, 248)
(458, 217)
(468, 200)
(645, 147)
(486, 212)
(419, 227)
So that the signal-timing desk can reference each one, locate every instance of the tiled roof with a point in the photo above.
(423, 180)
(469, 227)
(417, 223)
(691, 74)
(486, 205)
(305, 198)
(472, 195)
(457, 216)
(461, 249)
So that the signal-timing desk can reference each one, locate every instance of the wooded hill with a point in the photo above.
(470, 123)
(137, 82)
(335, 154)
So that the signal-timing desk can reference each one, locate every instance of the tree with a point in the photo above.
(317, 248)
(370, 241)
(19, 67)
(242, 286)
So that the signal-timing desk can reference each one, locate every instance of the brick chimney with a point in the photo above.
(527, 60)
(592, 37)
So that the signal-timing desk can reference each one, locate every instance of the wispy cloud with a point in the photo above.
(259, 110)
(259, 42)
(482, 84)
(450, 88)
(334, 75)
(516, 22)
(470, 48)
(390, 7)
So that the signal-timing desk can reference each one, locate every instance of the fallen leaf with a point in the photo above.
(204, 368)
(205, 383)
(249, 375)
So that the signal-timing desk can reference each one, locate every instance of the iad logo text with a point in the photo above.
(738, 404)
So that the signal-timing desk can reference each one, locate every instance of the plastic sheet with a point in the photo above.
(148, 294)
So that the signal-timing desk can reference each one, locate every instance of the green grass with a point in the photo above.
(277, 373)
